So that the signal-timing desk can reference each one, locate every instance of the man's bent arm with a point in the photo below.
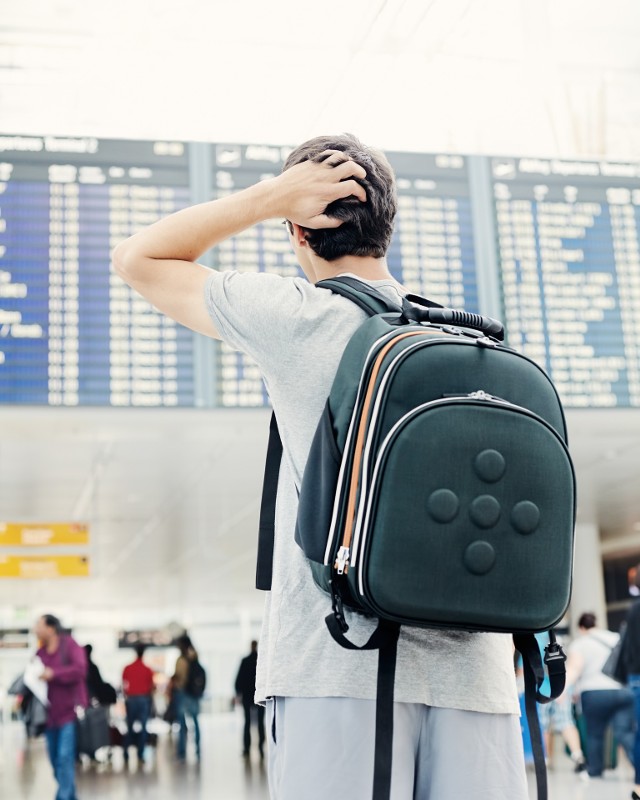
(159, 262)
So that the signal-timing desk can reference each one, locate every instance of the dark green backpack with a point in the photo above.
(439, 491)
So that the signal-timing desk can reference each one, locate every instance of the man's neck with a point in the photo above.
(372, 269)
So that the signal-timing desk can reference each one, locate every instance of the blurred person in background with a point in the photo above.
(187, 699)
(94, 678)
(631, 655)
(65, 671)
(604, 702)
(138, 686)
(99, 690)
(245, 691)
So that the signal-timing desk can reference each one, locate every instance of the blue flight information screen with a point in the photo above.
(71, 332)
(570, 272)
(431, 251)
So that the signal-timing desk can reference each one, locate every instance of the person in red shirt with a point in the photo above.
(137, 684)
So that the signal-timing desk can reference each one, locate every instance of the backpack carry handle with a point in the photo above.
(373, 302)
(450, 316)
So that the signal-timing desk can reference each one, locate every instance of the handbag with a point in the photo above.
(615, 666)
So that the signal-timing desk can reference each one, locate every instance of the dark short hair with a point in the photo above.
(587, 620)
(52, 622)
(88, 649)
(184, 644)
(139, 649)
(367, 227)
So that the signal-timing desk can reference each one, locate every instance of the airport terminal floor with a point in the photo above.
(222, 773)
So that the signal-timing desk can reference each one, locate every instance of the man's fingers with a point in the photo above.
(350, 169)
(325, 155)
(341, 162)
(323, 221)
(348, 188)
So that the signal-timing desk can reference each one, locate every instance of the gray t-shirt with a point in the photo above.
(296, 333)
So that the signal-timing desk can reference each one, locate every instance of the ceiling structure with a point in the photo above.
(172, 497)
(530, 77)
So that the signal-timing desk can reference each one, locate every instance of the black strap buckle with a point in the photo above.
(554, 658)
(337, 606)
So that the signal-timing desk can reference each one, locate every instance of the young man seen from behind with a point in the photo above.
(456, 727)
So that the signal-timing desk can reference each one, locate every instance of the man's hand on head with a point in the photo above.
(303, 192)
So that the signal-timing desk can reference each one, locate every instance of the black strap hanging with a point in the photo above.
(266, 531)
(385, 640)
(534, 675)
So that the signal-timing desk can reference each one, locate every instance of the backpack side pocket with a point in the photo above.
(318, 491)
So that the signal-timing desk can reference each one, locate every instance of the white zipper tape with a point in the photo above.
(334, 516)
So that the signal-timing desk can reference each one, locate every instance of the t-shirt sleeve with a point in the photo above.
(255, 312)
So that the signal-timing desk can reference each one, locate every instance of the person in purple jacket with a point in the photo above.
(65, 671)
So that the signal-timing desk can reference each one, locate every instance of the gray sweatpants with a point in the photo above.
(324, 747)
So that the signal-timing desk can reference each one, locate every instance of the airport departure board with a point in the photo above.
(570, 271)
(71, 332)
(567, 265)
(431, 252)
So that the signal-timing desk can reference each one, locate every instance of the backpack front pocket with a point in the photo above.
(467, 500)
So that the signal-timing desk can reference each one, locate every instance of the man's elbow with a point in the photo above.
(127, 264)
(120, 260)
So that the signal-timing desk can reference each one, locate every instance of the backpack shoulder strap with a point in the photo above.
(366, 297)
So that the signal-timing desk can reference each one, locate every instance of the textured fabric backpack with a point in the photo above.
(439, 492)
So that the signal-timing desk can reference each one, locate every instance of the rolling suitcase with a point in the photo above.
(92, 730)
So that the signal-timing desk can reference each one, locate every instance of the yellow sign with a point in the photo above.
(44, 567)
(42, 534)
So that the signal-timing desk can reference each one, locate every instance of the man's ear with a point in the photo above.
(299, 235)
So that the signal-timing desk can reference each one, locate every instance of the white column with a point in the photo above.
(245, 627)
(588, 581)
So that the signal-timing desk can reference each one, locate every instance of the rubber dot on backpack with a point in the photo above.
(485, 511)
(525, 517)
(479, 557)
(489, 466)
(443, 505)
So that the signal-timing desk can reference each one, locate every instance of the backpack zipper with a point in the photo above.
(352, 514)
(352, 542)
(346, 453)
(369, 440)
(351, 510)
